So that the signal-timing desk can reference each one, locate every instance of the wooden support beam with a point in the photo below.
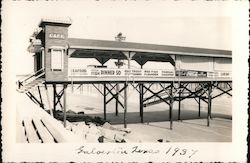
(104, 100)
(57, 97)
(115, 96)
(171, 107)
(112, 86)
(65, 104)
(40, 95)
(79, 86)
(135, 87)
(229, 85)
(192, 93)
(163, 89)
(31, 98)
(199, 113)
(179, 106)
(156, 95)
(117, 99)
(97, 89)
(34, 98)
(210, 100)
(141, 101)
(125, 105)
(54, 98)
(221, 94)
(47, 94)
(223, 90)
(209, 104)
(148, 88)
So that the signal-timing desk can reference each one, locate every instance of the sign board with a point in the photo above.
(56, 35)
(104, 72)
(189, 73)
(150, 73)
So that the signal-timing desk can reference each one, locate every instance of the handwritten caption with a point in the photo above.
(169, 151)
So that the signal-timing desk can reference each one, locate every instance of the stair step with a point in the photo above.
(29, 85)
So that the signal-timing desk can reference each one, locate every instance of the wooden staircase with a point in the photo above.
(30, 81)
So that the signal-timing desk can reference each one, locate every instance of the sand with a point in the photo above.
(156, 119)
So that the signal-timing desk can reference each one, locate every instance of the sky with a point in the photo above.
(157, 22)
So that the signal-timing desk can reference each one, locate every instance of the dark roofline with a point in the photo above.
(55, 21)
(143, 47)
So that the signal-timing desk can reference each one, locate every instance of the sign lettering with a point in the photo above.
(56, 35)
(147, 73)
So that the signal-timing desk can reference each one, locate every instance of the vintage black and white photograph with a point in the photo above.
(99, 73)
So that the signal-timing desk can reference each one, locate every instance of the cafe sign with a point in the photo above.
(56, 35)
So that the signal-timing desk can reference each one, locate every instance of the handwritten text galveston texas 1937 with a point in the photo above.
(169, 151)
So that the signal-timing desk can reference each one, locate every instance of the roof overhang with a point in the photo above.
(105, 50)
(87, 44)
(55, 21)
(151, 51)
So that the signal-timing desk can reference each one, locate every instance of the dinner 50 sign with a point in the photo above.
(120, 72)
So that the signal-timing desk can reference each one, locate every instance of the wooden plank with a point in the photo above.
(48, 99)
(53, 129)
(20, 133)
(30, 131)
(43, 132)
(58, 131)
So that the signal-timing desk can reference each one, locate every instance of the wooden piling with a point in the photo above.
(171, 106)
(199, 113)
(116, 102)
(209, 104)
(141, 101)
(65, 104)
(104, 100)
(179, 105)
(125, 105)
(54, 98)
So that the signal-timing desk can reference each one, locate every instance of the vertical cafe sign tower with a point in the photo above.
(54, 40)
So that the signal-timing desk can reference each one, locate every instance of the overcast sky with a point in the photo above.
(183, 24)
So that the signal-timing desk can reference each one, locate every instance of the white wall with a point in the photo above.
(203, 63)
(194, 63)
(222, 64)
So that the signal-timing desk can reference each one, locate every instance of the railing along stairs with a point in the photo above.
(30, 81)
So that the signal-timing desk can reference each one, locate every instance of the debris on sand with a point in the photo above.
(162, 140)
(93, 129)
(109, 126)
(71, 112)
(81, 112)
(93, 133)
(71, 116)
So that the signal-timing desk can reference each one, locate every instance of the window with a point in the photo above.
(56, 59)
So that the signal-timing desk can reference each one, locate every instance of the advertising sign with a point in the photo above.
(150, 73)
(104, 72)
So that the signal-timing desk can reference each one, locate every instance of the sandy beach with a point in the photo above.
(156, 119)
